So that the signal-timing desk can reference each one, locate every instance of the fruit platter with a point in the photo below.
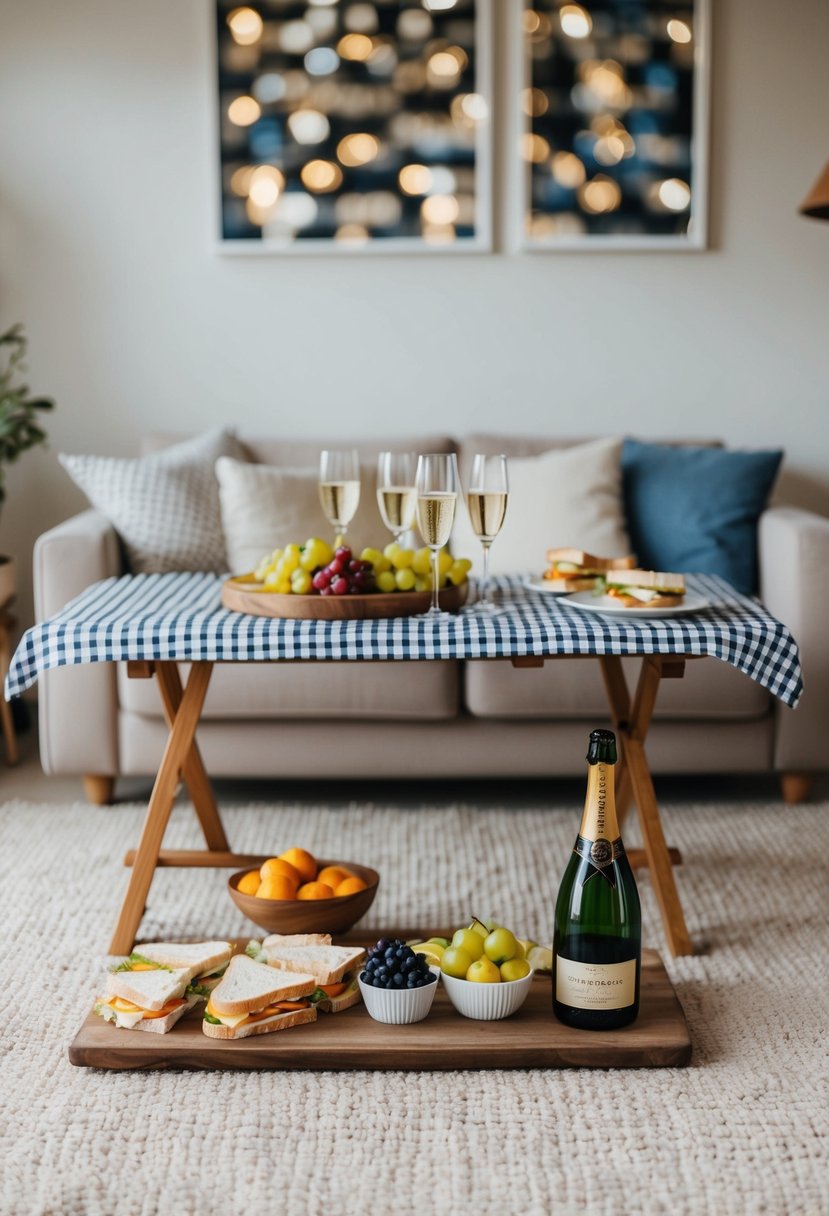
(315, 581)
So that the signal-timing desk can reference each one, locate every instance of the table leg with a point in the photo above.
(193, 771)
(632, 724)
(179, 745)
(6, 720)
(618, 699)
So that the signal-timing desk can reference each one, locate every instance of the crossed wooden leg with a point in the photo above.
(631, 723)
(181, 759)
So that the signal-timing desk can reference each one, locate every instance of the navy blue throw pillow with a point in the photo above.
(696, 509)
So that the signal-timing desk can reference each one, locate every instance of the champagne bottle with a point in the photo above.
(597, 942)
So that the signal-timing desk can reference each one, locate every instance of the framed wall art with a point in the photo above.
(349, 126)
(610, 129)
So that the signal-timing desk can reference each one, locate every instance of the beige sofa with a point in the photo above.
(473, 719)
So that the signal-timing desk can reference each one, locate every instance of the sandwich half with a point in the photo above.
(206, 962)
(335, 968)
(252, 999)
(148, 998)
(576, 570)
(645, 588)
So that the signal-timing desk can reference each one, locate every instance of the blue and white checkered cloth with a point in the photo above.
(179, 616)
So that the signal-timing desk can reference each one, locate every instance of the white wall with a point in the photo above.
(135, 324)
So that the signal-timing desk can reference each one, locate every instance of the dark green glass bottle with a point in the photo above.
(597, 942)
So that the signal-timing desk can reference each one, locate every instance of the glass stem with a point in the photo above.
(485, 601)
(435, 579)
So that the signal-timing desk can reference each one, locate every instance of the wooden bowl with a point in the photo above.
(308, 915)
(243, 594)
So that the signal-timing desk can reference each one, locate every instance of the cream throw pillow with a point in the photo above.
(569, 496)
(265, 508)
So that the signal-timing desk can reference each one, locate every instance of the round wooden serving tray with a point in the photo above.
(243, 594)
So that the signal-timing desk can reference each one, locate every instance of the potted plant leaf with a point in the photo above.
(20, 427)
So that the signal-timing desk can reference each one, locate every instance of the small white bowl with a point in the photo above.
(398, 1006)
(487, 1002)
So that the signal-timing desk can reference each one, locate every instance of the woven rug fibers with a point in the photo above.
(744, 1129)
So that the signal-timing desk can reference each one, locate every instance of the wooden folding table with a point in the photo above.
(155, 622)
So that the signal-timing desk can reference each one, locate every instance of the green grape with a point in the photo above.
(483, 971)
(456, 962)
(500, 946)
(470, 941)
(515, 969)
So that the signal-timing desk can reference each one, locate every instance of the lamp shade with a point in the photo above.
(816, 202)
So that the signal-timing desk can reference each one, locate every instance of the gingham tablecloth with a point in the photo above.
(179, 616)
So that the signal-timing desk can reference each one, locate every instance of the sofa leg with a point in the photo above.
(100, 791)
(796, 787)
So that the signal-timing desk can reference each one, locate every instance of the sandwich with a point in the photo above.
(645, 588)
(206, 962)
(251, 999)
(151, 998)
(335, 968)
(575, 570)
(153, 989)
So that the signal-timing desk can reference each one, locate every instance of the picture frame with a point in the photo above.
(479, 241)
(532, 230)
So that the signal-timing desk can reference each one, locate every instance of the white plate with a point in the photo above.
(542, 585)
(607, 606)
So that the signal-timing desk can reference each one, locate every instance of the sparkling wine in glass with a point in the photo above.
(396, 491)
(339, 487)
(487, 502)
(438, 485)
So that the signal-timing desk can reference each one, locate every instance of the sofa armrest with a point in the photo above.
(78, 706)
(794, 586)
(69, 557)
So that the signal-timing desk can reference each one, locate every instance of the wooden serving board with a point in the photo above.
(243, 594)
(445, 1041)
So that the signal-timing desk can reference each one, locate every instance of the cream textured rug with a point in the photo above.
(745, 1129)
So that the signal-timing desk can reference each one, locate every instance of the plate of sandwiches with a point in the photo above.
(276, 984)
(642, 593)
(570, 570)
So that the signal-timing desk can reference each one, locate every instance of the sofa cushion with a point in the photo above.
(264, 508)
(165, 507)
(573, 688)
(398, 690)
(570, 496)
(696, 508)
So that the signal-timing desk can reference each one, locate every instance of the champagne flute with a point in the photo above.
(437, 483)
(396, 491)
(339, 487)
(487, 503)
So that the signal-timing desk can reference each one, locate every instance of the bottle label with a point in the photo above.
(595, 985)
(601, 853)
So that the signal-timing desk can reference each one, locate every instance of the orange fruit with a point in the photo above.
(277, 887)
(350, 886)
(303, 861)
(332, 876)
(249, 883)
(276, 865)
(315, 890)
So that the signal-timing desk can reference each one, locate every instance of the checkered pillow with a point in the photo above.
(165, 507)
